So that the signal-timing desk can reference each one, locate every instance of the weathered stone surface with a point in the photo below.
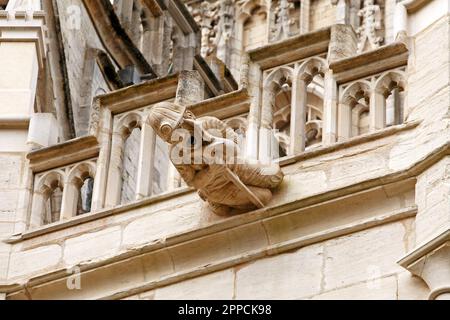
(155, 226)
(219, 247)
(364, 255)
(411, 287)
(26, 263)
(377, 289)
(4, 262)
(10, 173)
(92, 246)
(219, 285)
(285, 276)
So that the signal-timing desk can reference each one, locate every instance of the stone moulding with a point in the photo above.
(349, 143)
(97, 215)
(64, 154)
(292, 49)
(371, 62)
(424, 249)
(14, 122)
(188, 273)
(225, 106)
(140, 95)
(414, 5)
(271, 250)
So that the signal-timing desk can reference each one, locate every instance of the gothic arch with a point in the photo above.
(49, 181)
(354, 103)
(389, 81)
(43, 191)
(312, 67)
(390, 95)
(355, 92)
(80, 172)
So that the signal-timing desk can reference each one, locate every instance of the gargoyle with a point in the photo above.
(213, 165)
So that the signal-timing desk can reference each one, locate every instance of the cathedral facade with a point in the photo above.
(341, 109)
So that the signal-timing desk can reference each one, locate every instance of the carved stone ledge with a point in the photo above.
(63, 154)
(414, 5)
(96, 216)
(370, 62)
(292, 49)
(224, 106)
(140, 95)
(349, 143)
(191, 241)
(14, 122)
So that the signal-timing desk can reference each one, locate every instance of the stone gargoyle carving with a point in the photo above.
(209, 161)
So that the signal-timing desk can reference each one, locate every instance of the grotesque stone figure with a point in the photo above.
(209, 161)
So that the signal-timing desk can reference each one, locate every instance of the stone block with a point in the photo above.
(368, 254)
(43, 131)
(161, 224)
(10, 173)
(4, 260)
(92, 246)
(219, 247)
(157, 265)
(377, 289)
(219, 285)
(285, 276)
(33, 261)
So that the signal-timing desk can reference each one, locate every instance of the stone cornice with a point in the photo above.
(292, 49)
(97, 215)
(172, 242)
(348, 143)
(371, 62)
(414, 5)
(225, 106)
(140, 95)
(63, 154)
(14, 122)
(431, 262)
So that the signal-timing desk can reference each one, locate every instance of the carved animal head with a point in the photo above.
(165, 117)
